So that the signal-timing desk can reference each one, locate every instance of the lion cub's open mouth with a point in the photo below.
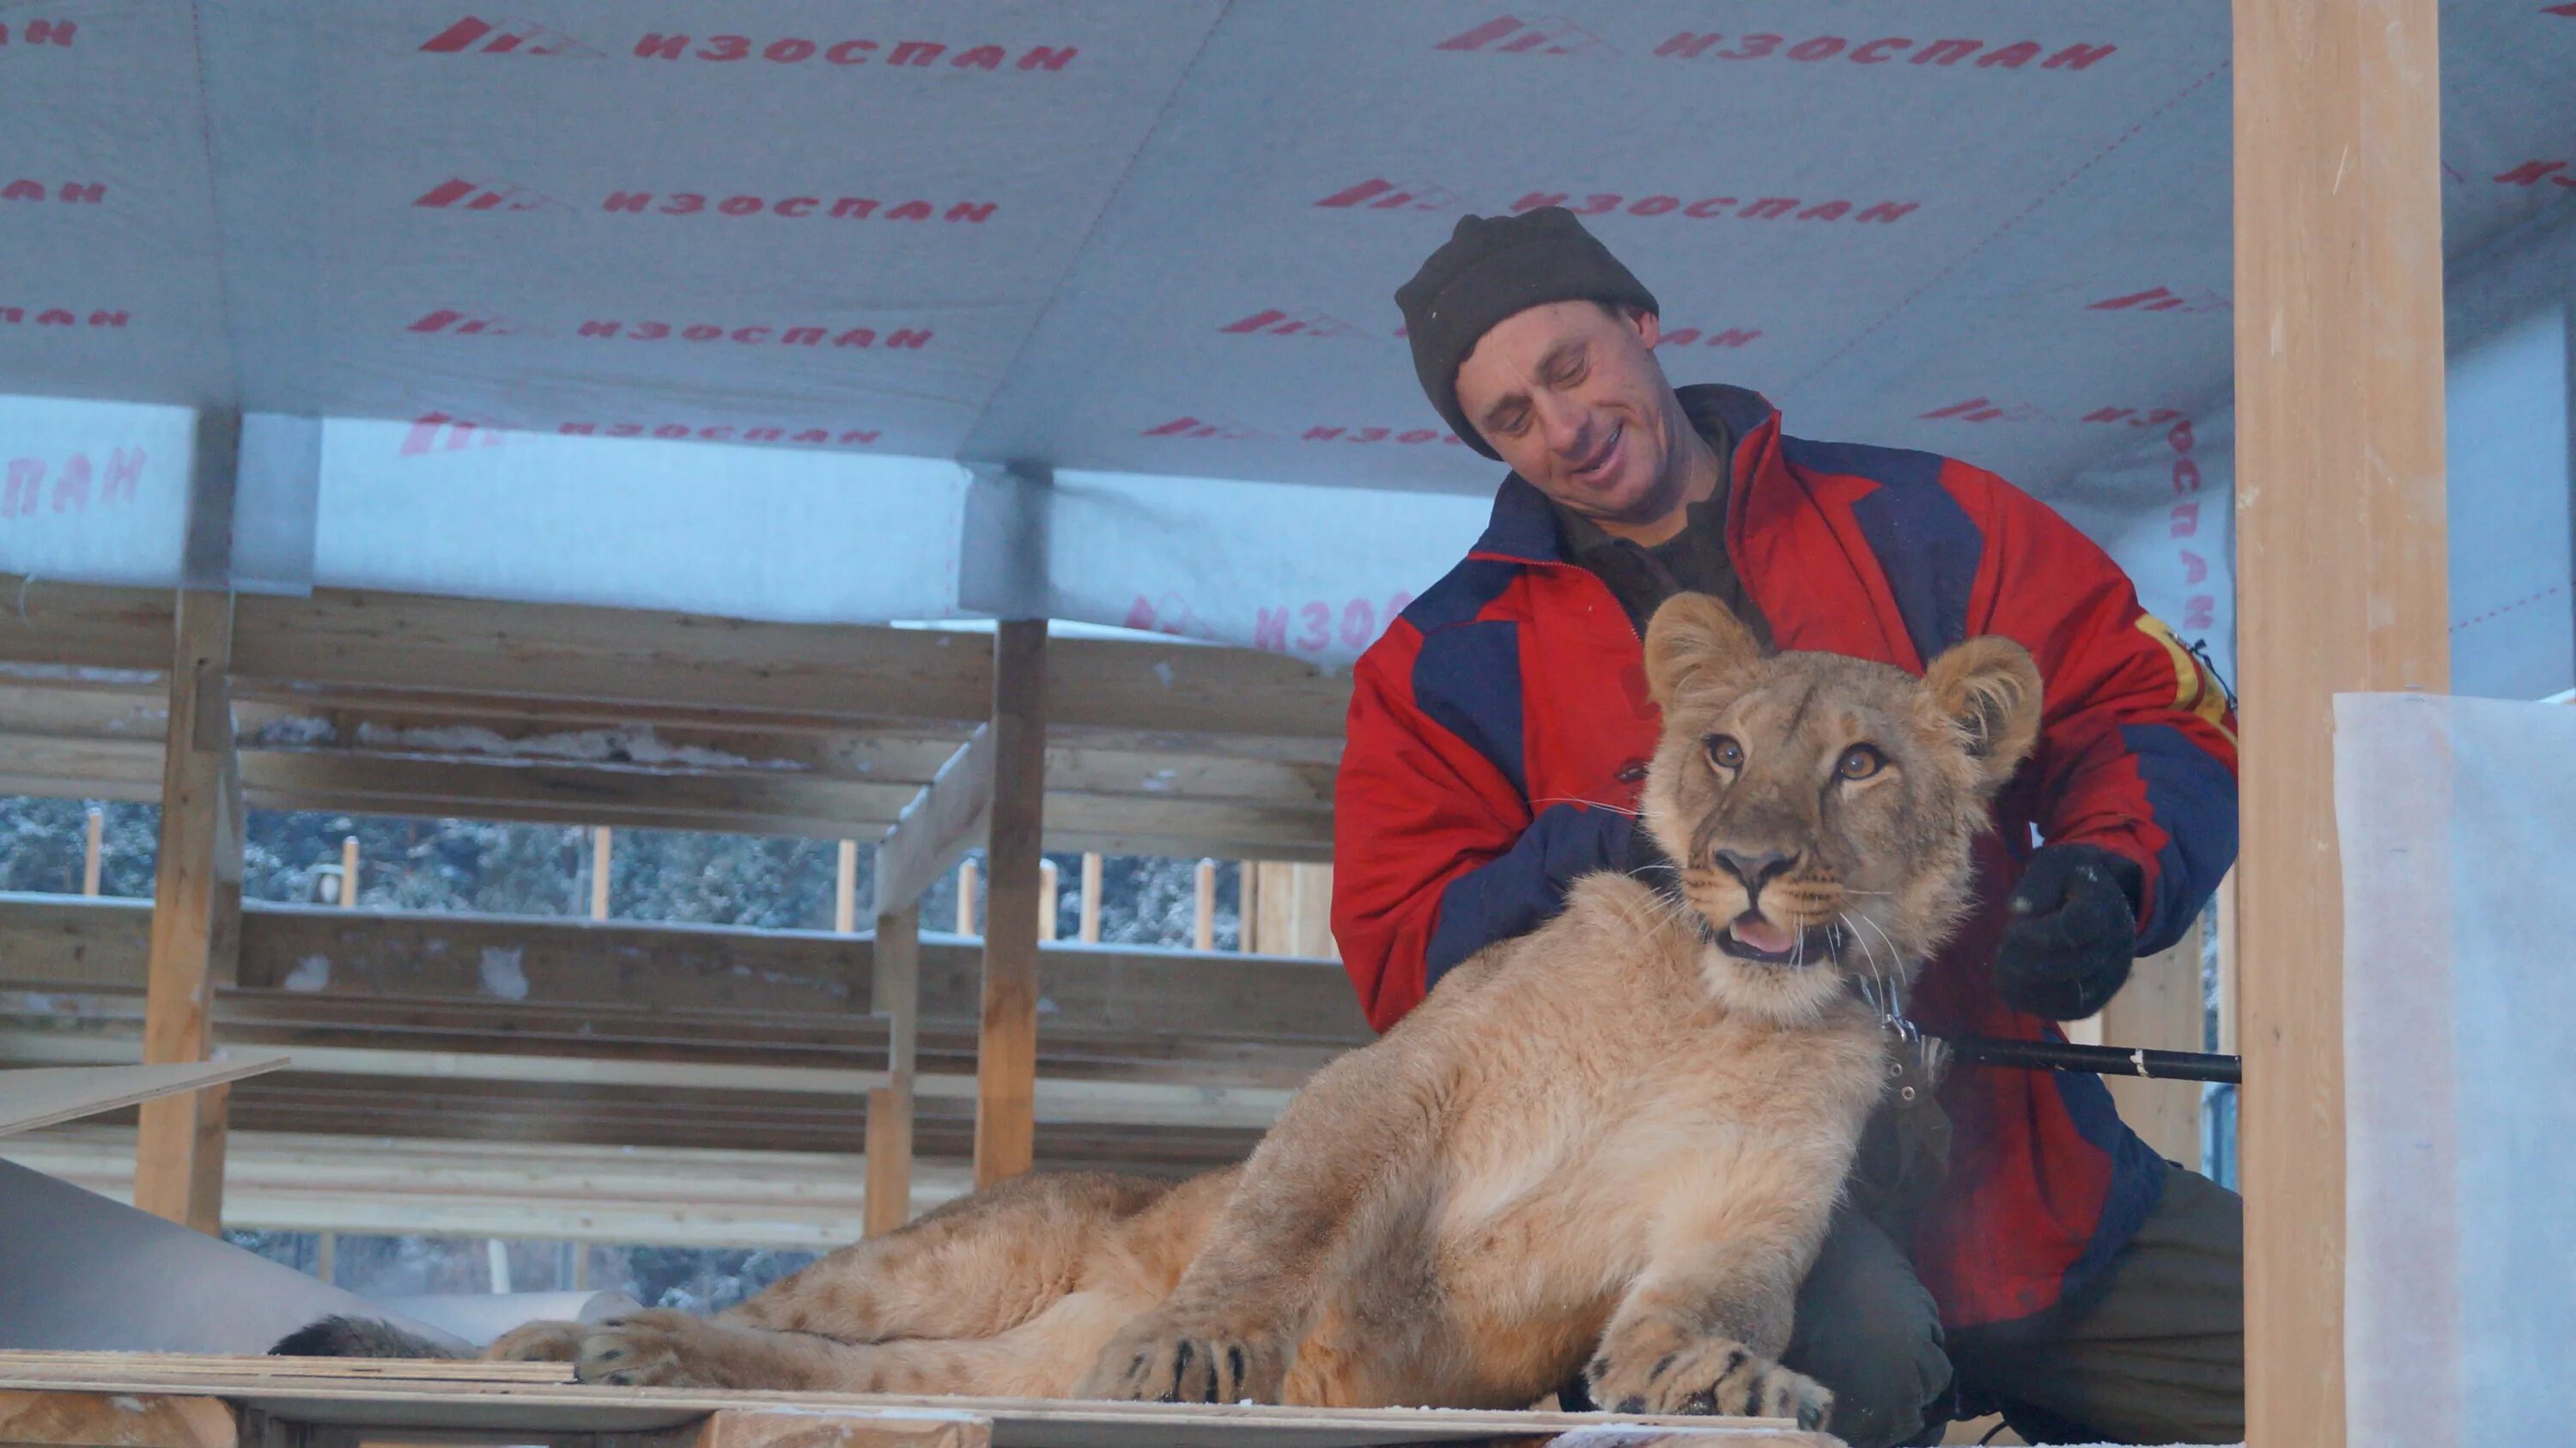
(1755, 936)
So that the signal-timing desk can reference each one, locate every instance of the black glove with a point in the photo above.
(2073, 933)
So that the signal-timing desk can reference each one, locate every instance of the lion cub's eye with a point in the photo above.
(1724, 752)
(1860, 762)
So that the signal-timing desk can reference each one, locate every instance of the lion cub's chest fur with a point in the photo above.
(1603, 1104)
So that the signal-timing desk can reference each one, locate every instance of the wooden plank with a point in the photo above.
(196, 919)
(1088, 930)
(484, 1406)
(2161, 1009)
(967, 923)
(2341, 586)
(113, 1420)
(896, 995)
(43, 1096)
(1050, 900)
(320, 954)
(1006, 1055)
(939, 825)
(808, 1428)
(602, 855)
(349, 873)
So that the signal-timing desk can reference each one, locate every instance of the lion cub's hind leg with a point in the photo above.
(1039, 1358)
(1710, 1375)
(975, 1268)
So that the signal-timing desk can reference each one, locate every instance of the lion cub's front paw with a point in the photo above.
(1715, 1376)
(657, 1348)
(538, 1342)
(1189, 1357)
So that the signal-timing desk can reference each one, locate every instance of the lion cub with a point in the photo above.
(1612, 1144)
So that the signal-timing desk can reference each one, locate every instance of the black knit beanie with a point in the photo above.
(1491, 268)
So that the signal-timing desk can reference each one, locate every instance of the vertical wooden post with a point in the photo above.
(1050, 893)
(966, 883)
(196, 918)
(896, 987)
(1203, 911)
(326, 1257)
(1006, 1061)
(93, 848)
(349, 872)
(2341, 586)
(845, 890)
(1090, 931)
(1247, 906)
(600, 851)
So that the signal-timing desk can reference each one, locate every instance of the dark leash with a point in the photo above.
(2097, 1060)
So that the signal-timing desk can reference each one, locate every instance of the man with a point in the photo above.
(1499, 731)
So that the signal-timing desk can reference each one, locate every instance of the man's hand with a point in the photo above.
(2074, 930)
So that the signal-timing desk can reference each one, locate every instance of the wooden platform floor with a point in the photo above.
(124, 1400)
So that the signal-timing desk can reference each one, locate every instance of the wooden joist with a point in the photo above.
(937, 826)
(2341, 586)
(896, 986)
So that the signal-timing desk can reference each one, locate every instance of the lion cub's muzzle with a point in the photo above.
(1773, 907)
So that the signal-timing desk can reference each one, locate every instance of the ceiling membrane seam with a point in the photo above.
(1853, 343)
(1082, 249)
(214, 210)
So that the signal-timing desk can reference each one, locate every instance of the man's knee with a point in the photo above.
(1869, 1331)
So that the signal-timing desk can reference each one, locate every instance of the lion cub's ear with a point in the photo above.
(1989, 690)
(1693, 636)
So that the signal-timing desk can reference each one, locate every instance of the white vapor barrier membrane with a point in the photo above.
(2457, 823)
(1315, 572)
(2165, 509)
(746, 532)
(93, 492)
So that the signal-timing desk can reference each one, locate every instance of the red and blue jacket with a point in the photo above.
(1499, 732)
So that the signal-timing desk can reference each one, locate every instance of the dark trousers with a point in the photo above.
(2155, 1355)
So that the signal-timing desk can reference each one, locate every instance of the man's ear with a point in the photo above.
(1988, 690)
(1694, 637)
(1650, 328)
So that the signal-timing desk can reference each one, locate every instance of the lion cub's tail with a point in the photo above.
(358, 1337)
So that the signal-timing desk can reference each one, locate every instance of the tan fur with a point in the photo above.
(1613, 1139)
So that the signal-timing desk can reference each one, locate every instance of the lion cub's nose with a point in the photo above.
(1755, 870)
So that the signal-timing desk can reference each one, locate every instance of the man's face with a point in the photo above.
(1572, 397)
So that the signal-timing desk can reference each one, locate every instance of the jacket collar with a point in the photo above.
(1523, 527)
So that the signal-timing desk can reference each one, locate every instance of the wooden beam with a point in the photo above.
(1050, 899)
(896, 988)
(349, 873)
(61, 944)
(824, 1428)
(966, 886)
(1006, 1057)
(196, 919)
(2341, 586)
(938, 826)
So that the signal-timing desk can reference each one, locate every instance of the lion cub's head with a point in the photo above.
(1822, 808)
